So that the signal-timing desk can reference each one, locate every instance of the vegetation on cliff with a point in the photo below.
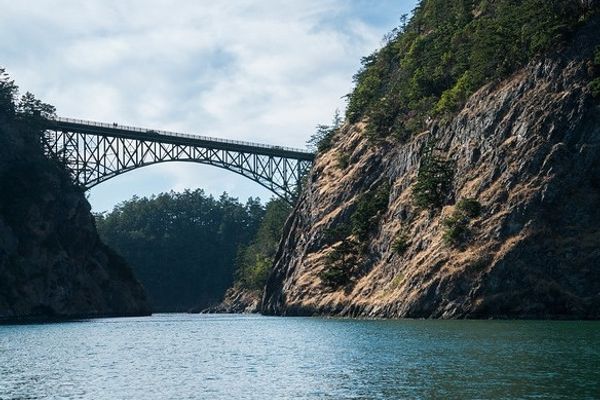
(434, 180)
(424, 73)
(430, 65)
(255, 260)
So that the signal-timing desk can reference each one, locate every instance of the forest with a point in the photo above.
(185, 247)
(432, 62)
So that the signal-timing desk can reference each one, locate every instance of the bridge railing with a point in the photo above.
(168, 133)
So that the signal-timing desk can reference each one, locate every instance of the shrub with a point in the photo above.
(457, 225)
(457, 229)
(597, 56)
(368, 209)
(469, 207)
(400, 244)
(343, 160)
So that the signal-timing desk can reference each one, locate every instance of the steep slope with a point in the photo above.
(52, 263)
(525, 149)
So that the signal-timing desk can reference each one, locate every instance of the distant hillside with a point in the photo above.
(182, 246)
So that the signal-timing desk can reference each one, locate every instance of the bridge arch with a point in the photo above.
(96, 152)
(273, 187)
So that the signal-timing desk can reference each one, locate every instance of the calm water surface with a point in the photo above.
(180, 356)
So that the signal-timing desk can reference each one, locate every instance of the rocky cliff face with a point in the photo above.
(527, 149)
(52, 263)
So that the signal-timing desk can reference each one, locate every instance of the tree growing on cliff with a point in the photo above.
(434, 180)
(320, 141)
(369, 209)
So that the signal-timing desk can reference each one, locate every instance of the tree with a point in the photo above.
(8, 94)
(255, 261)
(32, 107)
(320, 141)
(434, 180)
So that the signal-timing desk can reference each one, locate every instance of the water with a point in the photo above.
(180, 356)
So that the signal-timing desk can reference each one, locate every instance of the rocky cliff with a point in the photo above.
(525, 151)
(237, 300)
(52, 263)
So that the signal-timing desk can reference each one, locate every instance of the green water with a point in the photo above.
(180, 356)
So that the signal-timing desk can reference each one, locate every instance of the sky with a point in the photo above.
(263, 71)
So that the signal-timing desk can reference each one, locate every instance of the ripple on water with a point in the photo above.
(181, 356)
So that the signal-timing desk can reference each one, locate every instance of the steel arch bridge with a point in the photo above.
(96, 152)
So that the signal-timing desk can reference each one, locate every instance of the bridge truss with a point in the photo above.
(96, 152)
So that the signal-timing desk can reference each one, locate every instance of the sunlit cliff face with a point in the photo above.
(523, 149)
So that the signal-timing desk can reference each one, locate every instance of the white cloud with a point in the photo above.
(265, 71)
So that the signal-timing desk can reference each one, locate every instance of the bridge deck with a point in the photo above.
(129, 132)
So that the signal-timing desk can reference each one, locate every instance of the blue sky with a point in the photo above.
(264, 71)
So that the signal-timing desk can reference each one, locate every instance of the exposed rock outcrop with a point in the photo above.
(527, 148)
(52, 263)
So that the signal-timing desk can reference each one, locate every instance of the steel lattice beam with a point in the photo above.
(96, 152)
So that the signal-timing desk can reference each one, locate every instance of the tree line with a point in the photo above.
(185, 247)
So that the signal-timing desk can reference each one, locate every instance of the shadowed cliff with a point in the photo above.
(52, 262)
